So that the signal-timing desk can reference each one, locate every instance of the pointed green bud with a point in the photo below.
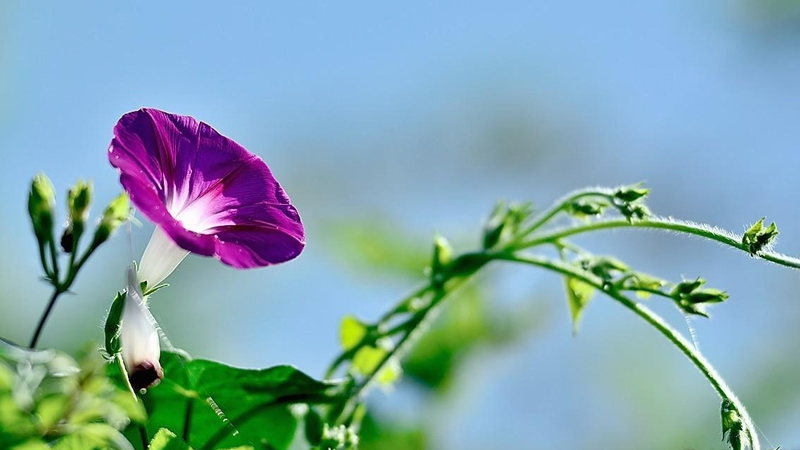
(41, 201)
(79, 199)
(629, 194)
(708, 295)
(686, 287)
(605, 267)
(688, 307)
(115, 215)
(586, 208)
(494, 225)
(442, 256)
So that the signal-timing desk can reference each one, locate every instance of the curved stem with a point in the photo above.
(661, 223)
(713, 377)
(43, 318)
(415, 328)
(401, 305)
(560, 205)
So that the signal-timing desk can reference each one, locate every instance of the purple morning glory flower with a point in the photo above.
(206, 194)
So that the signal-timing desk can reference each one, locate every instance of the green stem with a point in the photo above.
(400, 307)
(714, 378)
(415, 328)
(660, 223)
(124, 374)
(562, 204)
(60, 288)
(43, 318)
(45, 264)
(54, 258)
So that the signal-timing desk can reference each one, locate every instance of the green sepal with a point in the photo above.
(113, 325)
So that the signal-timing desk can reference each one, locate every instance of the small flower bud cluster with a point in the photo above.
(692, 298)
(41, 208)
(629, 201)
(758, 237)
(504, 222)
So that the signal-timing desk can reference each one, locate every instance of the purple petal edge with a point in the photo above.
(209, 194)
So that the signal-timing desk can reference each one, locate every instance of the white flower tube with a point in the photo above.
(160, 258)
(141, 348)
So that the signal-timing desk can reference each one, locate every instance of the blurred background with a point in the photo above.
(388, 123)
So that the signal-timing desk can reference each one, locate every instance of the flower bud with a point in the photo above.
(68, 239)
(79, 199)
(41, 201)
(139, 339)
(115, 215)
(442, 255)
(629, 194)
(757, 237)
(494, 225)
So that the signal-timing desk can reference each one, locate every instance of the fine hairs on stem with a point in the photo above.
(511, 232)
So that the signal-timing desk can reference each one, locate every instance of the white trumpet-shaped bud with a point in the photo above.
(160, 258)
(141, 348)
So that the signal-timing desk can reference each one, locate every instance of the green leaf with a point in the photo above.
(94, 436)
(367, 359)
(167, 440)
(351, 332)
(313, 426)
(227, 399)
(579, 294)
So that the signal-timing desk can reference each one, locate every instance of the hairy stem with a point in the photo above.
(660, 223)
(713, 377)
(414, 329)
(561, 205)
(399, 307)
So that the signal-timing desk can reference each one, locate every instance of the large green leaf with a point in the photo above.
(231, 406)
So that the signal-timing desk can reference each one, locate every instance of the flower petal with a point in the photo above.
(207, 193)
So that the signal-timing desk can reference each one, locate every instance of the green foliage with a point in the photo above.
(231, 406)
(49, 399)
(504, 223)
(378, 434)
